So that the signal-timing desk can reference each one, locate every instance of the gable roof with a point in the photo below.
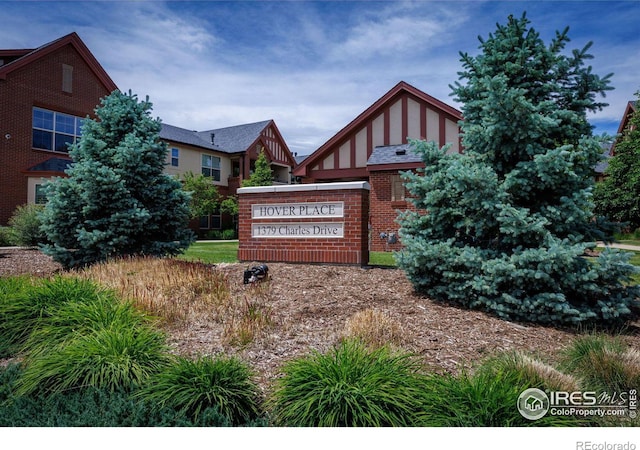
(237, 138)
(629, 110)
(29, 56)
(184, 136)
(399, 89)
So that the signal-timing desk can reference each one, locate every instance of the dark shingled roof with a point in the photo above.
(184, 136)
(393, 154)
(51, 165)
(237, 138)
(227, 140)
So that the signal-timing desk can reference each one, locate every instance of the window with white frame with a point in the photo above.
(54, 131)
(397, 188)
(211, 167)
(175, 157)
(41, 195)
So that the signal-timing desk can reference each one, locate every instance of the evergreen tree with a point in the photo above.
(116, 200)
(504, 226)
(262, 175)
(618, 196)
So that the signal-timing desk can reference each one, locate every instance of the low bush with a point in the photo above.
(374, 328)
(113, 358)
(7, 237)
(350, 385)
(194, 386)
(25, 223)
(25, 303)
(484, 399)
(89, 407)
(603, 363)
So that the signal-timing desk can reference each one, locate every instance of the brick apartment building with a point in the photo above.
(45, 93)
(374, 148)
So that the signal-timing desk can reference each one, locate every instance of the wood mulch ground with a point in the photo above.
(309, 305)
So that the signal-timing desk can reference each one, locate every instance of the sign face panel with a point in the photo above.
(297, 210)
(298, 230)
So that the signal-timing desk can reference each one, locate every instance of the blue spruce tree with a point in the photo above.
(116, 201)
(504, 226)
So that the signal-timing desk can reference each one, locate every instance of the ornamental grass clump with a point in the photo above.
(375, 328)
(483, 399)
(112, 357)
(351, 385)
(167, 288)
(603, 363)
(193, 386)
(27, 303)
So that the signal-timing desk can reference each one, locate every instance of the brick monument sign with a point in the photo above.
(305, 223)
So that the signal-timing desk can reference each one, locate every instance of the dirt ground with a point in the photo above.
(309, 305)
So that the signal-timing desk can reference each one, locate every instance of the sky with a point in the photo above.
(311, 66)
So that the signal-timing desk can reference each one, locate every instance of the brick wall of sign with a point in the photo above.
(306, 223)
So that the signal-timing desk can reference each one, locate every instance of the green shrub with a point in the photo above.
(484, 399)
(350, 386)
(7, 237)
(530, 371)
(114, 357)
(80, 317)
(603, 363)
(215, 235)
(25, 223)
(229, 234)
(24, 303)
(192, 386)
(89, 407)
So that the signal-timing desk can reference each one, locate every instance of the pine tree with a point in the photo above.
(504, 226)
(618, 196)
(116, 200)
(262, 175)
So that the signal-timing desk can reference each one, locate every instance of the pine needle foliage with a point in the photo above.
(116, 200)
(503, 227)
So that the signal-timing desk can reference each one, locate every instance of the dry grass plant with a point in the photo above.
(249, 315)
(167, 288)
(375, 328)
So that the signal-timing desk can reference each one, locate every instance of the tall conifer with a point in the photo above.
(116, 200)
(505, 225)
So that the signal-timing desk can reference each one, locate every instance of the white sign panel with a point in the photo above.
(298, 230)
(297, 210)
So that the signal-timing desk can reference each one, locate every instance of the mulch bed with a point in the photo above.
(310, 304)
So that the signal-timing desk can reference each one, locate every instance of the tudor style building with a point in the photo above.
(374, 147)
(227, 156)
(46, 93)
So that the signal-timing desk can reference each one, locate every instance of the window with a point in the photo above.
(175, 157)
(41, 197)
(211, 167)
(397, 188)
(55, 131)
(67, 78)
(212, 221)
